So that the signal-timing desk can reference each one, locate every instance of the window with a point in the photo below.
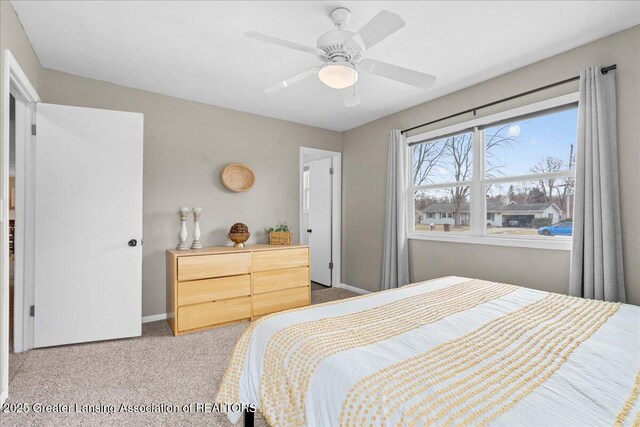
(439, 167)
(507, 176)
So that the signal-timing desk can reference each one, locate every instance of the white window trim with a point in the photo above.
(477, 234)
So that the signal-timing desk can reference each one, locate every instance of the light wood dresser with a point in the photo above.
(214, 286)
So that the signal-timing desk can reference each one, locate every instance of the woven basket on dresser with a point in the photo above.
(280, 237)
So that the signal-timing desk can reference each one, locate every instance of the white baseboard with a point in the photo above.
(4, 395)
(154, 318)
(352, 289)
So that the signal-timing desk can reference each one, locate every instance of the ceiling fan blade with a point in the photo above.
(293, 80)
(379, 28)
(281, 42)
(401, 74)
(350, 96)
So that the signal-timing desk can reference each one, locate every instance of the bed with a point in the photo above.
(450, 351)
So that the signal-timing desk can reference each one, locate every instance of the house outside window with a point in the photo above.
(499, 179)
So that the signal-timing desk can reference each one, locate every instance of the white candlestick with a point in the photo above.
(184, 214)
(196, 229)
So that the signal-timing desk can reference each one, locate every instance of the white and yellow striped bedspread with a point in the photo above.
(451, 351)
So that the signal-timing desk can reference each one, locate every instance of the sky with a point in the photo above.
(535, 139)
(538, 138)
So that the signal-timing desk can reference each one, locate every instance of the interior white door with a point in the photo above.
(88, 225)
(319, 232)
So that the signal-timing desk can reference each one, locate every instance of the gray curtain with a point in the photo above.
(395, 263)
(596, 258)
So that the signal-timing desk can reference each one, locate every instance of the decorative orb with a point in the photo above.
(238, 234)
(239, 227)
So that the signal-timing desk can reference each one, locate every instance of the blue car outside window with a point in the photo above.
(563, 229)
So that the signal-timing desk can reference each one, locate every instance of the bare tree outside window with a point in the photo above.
(496, 140)
(546, 165)
(425, 158)
(556, 190)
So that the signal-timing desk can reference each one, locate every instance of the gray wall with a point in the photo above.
(13, 37)
(365, 161)
(186, 145)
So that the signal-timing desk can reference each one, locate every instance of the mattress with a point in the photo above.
(450, 351)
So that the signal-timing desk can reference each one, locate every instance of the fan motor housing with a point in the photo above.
(338, 46)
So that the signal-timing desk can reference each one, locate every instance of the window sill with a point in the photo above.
(558, 243)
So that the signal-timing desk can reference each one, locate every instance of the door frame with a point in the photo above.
(14, 81)
(24, 210)
(336, 211)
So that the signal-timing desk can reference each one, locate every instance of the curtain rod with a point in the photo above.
(603, 70)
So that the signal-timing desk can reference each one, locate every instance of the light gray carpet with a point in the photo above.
(156, 368)
(318, 287)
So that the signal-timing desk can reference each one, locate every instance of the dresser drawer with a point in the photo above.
(278, 259)
(213, 289)
(206, 266)
(212, 313)
(275, 280)
(280, 300)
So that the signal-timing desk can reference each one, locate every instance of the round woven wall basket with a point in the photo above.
(237, 177)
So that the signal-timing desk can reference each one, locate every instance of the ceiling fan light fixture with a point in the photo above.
(338, 76)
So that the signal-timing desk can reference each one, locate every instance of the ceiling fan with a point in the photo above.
(341, 52)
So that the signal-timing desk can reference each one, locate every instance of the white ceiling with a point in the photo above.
(196, 50)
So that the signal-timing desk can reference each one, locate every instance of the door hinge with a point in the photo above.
(33, 130)
(330, 266)
(330, 171)
(32, 311)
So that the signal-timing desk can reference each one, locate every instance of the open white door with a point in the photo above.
(319, 232)
(88, 225)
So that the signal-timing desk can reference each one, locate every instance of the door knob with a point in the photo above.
(133, 242)
(309, 230)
